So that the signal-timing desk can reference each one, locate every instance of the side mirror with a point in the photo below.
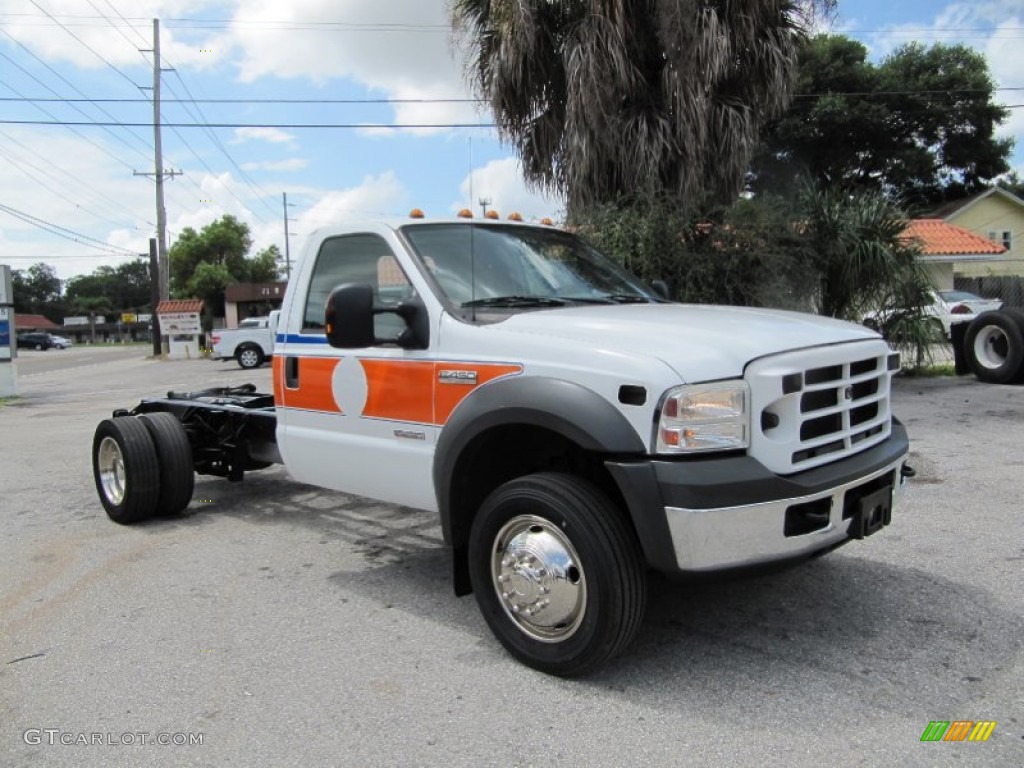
(349, 319)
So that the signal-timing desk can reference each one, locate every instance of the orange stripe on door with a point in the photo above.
(315, 391)
(397, 390)
(400, 390)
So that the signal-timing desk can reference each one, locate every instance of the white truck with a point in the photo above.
(571, 426)
(251, 343)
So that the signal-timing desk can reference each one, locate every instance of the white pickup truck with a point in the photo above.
(251, 343)
(571, 426)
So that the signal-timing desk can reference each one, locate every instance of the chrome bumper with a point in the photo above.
(734, 537)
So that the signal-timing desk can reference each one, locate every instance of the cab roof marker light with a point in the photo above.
(416, 213)
(492, 214)
(465, 213)
(515, 216)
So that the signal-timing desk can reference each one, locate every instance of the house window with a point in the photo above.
(1005, 238)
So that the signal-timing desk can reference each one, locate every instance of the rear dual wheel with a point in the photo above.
(142, 466)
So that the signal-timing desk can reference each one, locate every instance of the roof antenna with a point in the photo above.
(472, 242)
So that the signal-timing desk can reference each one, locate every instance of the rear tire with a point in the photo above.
(558, 573)
(126, 469)
(177, 478)
(994, 345)
(249, 356)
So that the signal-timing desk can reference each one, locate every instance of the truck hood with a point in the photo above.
(700, 343)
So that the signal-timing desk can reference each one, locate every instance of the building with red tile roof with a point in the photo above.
(944, 245)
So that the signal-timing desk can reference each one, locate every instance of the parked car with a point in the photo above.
(251, 343)
(61, 343)
(35, 341)
(947, 308)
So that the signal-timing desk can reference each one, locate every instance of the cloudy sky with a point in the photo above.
(375, 74)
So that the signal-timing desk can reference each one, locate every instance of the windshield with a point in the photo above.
(516, 267)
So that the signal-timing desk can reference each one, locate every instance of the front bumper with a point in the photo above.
(730, 512)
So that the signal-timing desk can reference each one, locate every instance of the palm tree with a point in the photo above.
(863, 262)
(611, 100)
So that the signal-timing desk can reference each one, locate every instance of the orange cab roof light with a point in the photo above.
(515, 216)
(492, 214)
(465, 213)
(416, 213)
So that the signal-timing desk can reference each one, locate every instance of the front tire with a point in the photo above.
(250, 356)
(126, 469)
(557, 572)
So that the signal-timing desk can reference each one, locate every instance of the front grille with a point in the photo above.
(841, 406)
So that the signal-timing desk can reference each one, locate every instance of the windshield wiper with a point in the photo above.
(626, 298)
(515, 301)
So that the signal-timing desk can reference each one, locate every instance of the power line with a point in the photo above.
(282, 126)
(36, 174)
(285, 101)
(46, 99)
(67, 234)
(85, 44)
(261, 195)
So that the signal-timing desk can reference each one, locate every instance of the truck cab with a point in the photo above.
(431, 364)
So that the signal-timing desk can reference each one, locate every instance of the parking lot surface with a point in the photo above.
(283, 625)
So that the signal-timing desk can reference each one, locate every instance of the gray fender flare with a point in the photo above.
(569, 409)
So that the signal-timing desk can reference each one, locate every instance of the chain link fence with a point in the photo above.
(1009, 288)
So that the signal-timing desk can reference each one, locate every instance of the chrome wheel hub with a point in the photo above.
(110, 462)
(538, 578)
(248, 358)
(991, 347)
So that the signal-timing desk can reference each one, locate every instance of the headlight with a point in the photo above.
(704, 417)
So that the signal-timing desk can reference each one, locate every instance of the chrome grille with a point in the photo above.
(816, 406)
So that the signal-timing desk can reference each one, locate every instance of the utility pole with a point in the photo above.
(159, 174)
(484, 202)
(158, 170)
(287, 243)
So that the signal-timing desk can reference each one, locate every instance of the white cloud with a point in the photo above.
(84, 194)
(271, 135)
(380, 195)
(64, 38)
(294, 164)
(501, 182)
(377, 196)
(400, 48)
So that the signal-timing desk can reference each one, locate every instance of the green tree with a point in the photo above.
(606, 99)
(204, 263)
(748, 254)
(264, 267)
(125, 287)
(37, 290)
(919, 127)
(225, 241)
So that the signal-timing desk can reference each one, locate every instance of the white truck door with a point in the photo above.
(357, 420)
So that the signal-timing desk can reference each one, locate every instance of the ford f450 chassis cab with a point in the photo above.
(571, 427)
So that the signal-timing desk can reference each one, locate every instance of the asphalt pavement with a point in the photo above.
(276, 624)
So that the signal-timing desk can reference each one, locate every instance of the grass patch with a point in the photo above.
(931, 371)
